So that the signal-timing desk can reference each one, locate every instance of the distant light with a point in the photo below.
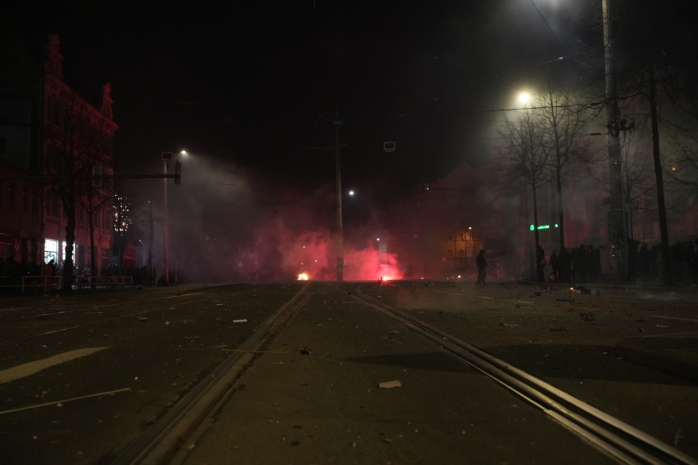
(378, 238)
(524, 97)
(303, 277)
(184, 152)
(351, 192)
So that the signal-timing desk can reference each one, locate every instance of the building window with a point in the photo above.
(450, 253)
(461, 253)
(50, 251)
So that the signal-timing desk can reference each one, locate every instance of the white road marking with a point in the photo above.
(27, 369)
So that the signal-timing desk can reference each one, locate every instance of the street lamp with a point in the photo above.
(166, 157)
(338, 181)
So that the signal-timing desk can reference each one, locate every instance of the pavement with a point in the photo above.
(292, 407)
(676, 354)
(673, 353)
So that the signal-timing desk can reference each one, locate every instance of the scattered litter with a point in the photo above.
(240, 321)
(564, 300)
(107, 334)
(395, 331)
(390, 384)
(587, 316)
(662, 326)
(143, 318)
(305, 351)
(508, 325)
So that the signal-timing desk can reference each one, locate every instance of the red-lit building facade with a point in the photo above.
(51, 142)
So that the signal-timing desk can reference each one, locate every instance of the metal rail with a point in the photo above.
(164, 442)
(621, 441)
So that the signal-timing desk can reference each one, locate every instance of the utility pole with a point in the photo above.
(149, 280)
(166, 252)
(339, 239)
(617, 235)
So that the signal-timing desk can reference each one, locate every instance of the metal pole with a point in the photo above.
(617, 234)
(149, 280)
(166, 252)
(338, 182)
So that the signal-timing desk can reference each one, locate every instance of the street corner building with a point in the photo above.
(56, 155)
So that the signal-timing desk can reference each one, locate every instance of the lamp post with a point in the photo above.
(339, 239)
(166, 157)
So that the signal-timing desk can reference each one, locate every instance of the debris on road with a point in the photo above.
(243, 320)
(587, 316)
(390, 384)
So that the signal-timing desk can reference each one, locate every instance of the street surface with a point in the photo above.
(83, 377)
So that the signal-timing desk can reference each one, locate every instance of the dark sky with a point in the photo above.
(258, 82)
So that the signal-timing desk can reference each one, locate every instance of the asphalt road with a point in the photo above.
(84, 376)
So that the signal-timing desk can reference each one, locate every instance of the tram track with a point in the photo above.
(190, 417)
(619, 440)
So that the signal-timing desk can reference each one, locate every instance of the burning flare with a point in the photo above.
(303, 277)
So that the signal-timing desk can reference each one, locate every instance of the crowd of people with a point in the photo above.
(585, 263)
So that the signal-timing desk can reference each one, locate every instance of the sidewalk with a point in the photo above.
(676, 354)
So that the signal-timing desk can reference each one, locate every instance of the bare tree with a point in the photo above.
(525, 159)
(563, 121)
(77, 139)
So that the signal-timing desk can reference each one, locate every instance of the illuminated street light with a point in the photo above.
(524, 98)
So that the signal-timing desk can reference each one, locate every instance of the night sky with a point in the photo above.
(258, 83)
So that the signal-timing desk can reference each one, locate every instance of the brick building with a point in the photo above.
(51, 142)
